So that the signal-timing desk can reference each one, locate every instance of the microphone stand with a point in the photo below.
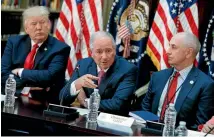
(68, 85)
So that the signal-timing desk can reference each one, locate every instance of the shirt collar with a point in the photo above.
(98, 69)
(33, 43)
(184, 72)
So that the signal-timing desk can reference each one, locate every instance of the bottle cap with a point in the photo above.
(97, 90)
(182, 123)
(11, 75)
(171, 105)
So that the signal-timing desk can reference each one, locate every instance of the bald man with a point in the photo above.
(193, 93)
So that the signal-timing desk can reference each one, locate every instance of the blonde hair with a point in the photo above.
(35, 11)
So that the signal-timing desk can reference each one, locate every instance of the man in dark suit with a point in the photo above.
(37, 59)
(194, 91)
(117, 83)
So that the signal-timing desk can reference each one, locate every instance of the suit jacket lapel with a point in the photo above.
(25, 49)
(108, 76)
(160, 87)
(42, 51)
(186, 88)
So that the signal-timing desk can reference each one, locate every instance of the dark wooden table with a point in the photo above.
(27, 118)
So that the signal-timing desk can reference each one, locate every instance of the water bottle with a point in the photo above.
(170, 120)
(181, 130)
(8, 110)
(91, 125)
(94, 103)
(10, 89)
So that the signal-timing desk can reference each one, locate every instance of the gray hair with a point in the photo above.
(190, 40)
(100, 34)
(35, 11)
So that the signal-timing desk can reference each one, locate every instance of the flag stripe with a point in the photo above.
(85, 26)
(123, 31)
(88, 17)
(59, 36)
(170, 22)
(163, 17)
(75, 27)
(64, 21)
(70, 30)
(161, 40)
(166, 23)
(162, 28)
(185, 24)
(69, 5)
(154, 39)
(94, 14)
(191, 21)
(155, 53)
(194, 11)
(72, 38)
(99, 3)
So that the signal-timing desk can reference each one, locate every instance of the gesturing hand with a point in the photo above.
(86, 81)
(207, 127)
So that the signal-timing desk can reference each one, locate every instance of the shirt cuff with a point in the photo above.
(26, 91)
(73, 90)
(20, 72)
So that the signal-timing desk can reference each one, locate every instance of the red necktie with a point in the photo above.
(100, 76)
(170, 95)
(29, 61)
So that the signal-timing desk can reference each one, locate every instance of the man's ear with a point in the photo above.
(25, 28)
(91, 52)
(49, 24)
(189, 52)
(92, 55)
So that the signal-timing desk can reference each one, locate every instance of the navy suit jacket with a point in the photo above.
(195, 102)
(49, 67)
(115, 88)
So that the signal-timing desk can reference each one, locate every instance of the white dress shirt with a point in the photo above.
(181, 79)
(73, 90)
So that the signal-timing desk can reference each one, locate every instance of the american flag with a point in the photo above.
(206, 60)
(172, 16)
(77, 21)
(124, 30)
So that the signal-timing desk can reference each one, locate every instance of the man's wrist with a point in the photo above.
(77, 85)
(86, 102)
(20, 72)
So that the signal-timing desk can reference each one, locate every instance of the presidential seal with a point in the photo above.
(138, 19)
